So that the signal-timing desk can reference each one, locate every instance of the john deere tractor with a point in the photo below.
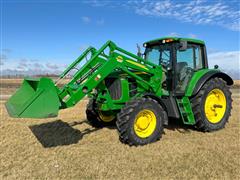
(138, 93)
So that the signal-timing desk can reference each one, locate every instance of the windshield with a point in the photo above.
(159, 54)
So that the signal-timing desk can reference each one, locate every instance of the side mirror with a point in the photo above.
(183, 45)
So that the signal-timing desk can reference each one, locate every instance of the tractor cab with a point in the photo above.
(179, 58)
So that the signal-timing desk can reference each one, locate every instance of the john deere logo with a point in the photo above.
(119, 59)
(97, 77)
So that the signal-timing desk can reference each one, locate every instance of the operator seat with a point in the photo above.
(181, 72)
(180, 66)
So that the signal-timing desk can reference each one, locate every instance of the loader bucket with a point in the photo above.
(36, 98)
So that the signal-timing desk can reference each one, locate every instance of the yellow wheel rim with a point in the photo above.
(145, 123)
(105, 116)
(215, 106)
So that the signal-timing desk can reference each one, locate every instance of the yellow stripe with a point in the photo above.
(137, 64)
(134, 73)
(140, 73)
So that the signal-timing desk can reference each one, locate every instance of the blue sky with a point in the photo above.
(45, 36)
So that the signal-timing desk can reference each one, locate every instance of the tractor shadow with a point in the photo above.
(178, 125)
(59, 133)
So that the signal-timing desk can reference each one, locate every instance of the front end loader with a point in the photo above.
(138, 93)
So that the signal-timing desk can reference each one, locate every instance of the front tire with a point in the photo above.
(140, 122)
(98, 119)
(212, 105)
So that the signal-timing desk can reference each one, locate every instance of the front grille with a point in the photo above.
(114, 87)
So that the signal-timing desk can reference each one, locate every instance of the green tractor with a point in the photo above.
(138, 93)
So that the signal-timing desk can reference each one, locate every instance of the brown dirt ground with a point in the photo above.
(68, 148)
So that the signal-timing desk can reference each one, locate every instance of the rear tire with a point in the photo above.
(97, 119)
(212, 105)
(137, 115)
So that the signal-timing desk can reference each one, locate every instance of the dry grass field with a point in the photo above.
(66, 147)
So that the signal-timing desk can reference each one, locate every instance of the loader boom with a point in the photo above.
(99, 66)
(91, 75)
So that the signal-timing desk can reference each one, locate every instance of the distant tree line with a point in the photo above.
(24, 75)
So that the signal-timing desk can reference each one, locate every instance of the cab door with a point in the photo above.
(186, 62)
(162, 55)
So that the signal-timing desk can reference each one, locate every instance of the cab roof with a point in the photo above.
(197, 41)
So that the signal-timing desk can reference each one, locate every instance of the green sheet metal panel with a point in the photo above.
(195, 78)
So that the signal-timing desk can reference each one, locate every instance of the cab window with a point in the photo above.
(159, 55)
(185, 65)
(186, 57)
(153, 55)
(198, 58)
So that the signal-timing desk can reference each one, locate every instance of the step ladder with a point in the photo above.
(185, 109)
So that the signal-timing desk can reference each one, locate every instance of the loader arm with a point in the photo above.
(99, 66)
(41, 98)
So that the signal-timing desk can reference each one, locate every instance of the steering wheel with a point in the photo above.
(164, 63)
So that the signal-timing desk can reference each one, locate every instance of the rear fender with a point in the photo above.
(195, 85)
